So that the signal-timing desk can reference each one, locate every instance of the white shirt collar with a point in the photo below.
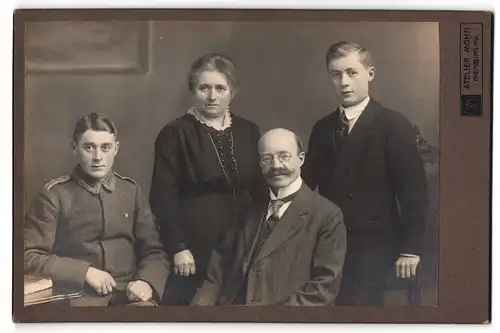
(286, 191)
(353, 112)
(226, 122)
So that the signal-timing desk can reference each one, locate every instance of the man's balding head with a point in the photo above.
(281, 156)
(282, 134)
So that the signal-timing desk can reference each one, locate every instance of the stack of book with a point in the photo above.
(39, 290)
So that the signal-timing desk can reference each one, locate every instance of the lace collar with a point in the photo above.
(216, 124)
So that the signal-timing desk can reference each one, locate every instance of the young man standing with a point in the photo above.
(364, 158)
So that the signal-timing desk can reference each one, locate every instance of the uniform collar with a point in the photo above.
(89, 184)
(355, 111)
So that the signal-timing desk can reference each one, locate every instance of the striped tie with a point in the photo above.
(276, 206)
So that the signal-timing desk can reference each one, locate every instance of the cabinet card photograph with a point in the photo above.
(181, 165)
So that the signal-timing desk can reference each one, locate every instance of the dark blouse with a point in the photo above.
(203, 182)
(223, 142)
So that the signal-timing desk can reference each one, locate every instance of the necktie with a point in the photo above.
(342, 131)
(276, 205)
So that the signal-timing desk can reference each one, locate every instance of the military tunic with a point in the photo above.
(71, 225)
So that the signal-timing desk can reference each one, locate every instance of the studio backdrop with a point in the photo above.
(136, 72)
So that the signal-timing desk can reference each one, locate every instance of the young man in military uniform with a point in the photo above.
(93, 231)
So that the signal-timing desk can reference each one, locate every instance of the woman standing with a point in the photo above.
(205, 176)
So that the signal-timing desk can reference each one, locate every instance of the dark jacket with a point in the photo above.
(71, 226)
(299, 264)
(192, 197)
(378, 179)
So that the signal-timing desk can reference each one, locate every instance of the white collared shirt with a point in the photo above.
(282, 193)
(353, 112)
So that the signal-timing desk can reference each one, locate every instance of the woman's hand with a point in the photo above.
(139, 291)
(184, 263)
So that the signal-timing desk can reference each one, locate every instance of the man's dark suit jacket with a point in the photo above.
(300, 263)
(377, 179)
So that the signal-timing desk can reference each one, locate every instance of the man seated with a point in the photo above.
(93, 231)
(291, 250)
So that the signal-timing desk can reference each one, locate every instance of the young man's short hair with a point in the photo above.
(342, 49)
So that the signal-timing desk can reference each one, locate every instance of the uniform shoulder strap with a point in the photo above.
(56, 181)
(125, 178)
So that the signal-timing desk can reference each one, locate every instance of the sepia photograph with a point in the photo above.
(216, 164)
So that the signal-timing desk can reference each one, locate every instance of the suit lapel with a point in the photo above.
(335, 121)
(289, 224)
(357, 139)
(252, 231)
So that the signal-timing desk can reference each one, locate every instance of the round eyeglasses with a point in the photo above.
(269, 158)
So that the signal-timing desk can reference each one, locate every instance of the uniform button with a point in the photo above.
(349, 229)
(349, 197)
